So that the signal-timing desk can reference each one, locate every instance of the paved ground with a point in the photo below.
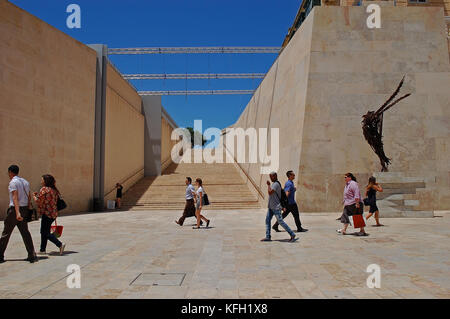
(228, 260)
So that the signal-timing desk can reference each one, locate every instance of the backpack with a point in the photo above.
(283, 199)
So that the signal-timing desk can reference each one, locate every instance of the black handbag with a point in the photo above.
(366, 201)
(60, 203)
(205, 199)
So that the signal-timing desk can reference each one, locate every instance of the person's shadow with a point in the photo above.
(23, 259)
(66, 252)
(286, 240)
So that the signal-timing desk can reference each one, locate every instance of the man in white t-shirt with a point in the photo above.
(189, 208)
(19, 203)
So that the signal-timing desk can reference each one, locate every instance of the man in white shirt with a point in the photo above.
(19, 203)
(189, 208)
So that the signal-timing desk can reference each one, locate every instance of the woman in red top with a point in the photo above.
(46, 200)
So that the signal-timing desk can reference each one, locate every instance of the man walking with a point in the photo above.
(189, 208)
(274, 207)
(292, 207)
(19, 202)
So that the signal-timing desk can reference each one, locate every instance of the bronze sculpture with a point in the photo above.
(372, 126)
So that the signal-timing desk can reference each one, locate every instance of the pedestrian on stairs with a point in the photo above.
(199, 199)
(371, 193)
(189, 208)
(119, 188)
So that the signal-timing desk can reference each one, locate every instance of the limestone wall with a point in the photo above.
(124, 134)
(331, 73)
(167, 127)
(47, 97)
(279, 102)
(353, 70)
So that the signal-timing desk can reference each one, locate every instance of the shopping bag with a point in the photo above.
(56, 230)
(357, 221)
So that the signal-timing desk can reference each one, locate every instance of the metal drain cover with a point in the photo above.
(159, 279)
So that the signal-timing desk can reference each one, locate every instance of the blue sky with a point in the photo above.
(175, 23)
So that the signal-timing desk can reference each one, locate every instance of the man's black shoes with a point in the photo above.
(275, 229)
(32, 259)
(302, 230)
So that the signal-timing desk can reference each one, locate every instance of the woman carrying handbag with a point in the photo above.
(200, 199)
(47, 200)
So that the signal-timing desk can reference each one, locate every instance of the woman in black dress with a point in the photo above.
(118, 195)
(371, 192)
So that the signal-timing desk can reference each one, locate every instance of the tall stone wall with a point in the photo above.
(47, 98)
(279, 103)
(124, 134)
(167, 127)
(354, 69)
(351, 69)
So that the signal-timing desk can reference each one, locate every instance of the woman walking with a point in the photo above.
(352, 204)
(47, 199)
(371, 193)
(119, 188)
(199, 199)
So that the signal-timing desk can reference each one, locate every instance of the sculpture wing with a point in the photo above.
(382, 108)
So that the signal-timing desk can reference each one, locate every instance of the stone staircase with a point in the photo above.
(222, 182)
(398, 198)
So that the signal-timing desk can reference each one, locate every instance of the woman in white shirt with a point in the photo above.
(199, 199)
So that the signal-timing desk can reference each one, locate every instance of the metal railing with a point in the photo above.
(197, 92)
(193, 50)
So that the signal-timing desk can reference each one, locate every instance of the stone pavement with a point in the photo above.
(228, 260)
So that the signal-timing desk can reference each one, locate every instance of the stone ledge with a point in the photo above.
(407, 214)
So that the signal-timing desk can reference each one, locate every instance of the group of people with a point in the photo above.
(281, 207)
(195, 200)
(354, 206)
(20, 204)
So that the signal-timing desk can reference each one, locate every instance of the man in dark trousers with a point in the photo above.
(19, 202)
(189, 208)
(292, 207)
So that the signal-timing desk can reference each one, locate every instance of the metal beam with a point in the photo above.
(193, 76)
(196, 92)
(191, 50)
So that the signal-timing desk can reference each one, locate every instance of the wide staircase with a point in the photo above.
(222, 182)
(400, 195)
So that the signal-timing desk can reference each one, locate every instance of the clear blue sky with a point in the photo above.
(171, 23)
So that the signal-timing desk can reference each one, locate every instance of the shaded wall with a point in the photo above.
(124, 134)
(47, 97)
(167, 127)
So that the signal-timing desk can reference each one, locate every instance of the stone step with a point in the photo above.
(396, 185)
(406, 214)
(223, 183)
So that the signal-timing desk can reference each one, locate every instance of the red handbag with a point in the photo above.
(56, 230)
(358, 221)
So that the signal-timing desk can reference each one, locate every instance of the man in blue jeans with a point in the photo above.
(292, 207)
(274, 207)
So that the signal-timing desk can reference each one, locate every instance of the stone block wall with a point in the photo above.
(124, 134)
(332, 72)
(47, 98)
